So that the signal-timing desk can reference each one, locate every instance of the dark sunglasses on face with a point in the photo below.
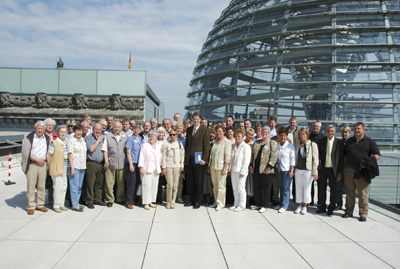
(172, 134)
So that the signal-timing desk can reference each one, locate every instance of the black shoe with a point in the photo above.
(347, 215)
(338, 208)
(196, 206)
(190, 204)
(362, 219)
(330, 213)
(319, 211)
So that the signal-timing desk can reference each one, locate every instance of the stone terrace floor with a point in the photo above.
(186, 238)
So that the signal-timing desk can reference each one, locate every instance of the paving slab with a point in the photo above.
(31, 254)
(51, 230)
(239, 256)
(103, 255)
(182, 233)
(184, 256)
(367, 231)
(116, 232)
(338, 255)
(247, 233)
(309, 232)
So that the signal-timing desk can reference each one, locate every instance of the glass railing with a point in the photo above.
(385, 189)
(71, 81)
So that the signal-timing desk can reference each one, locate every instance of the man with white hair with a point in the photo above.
(177, 117)
(34, 150)
(103, 126)
(49, 126)
(85, 129)
(154, 124)
(114, 162)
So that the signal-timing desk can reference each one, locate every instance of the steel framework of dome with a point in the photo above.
(333, 61)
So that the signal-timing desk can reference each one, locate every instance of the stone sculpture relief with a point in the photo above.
(77, 101)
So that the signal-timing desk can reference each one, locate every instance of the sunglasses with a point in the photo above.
(172, 134)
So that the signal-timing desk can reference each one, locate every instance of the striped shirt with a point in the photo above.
(39, 147)
(78, 150)
(52, 150)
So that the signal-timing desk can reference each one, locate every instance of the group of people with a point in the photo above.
(127, 163)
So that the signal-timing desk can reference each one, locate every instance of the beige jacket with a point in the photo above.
(312, 158)
(173, 155)
(222, 155)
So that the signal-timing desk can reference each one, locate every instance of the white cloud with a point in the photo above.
(165, 38)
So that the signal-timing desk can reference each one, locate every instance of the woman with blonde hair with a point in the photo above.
(306, 169)
(240, 160)
(150, 169)
(218, 166)
(263, 160)
(173, 157)
(58, 168)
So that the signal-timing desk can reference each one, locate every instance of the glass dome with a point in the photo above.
(333, 61)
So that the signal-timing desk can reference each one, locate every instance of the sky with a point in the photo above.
(164, 36)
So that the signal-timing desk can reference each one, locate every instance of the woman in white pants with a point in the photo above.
(240, 161)
(57, 161)
(150, 169)
(306, 169)
(173, 158)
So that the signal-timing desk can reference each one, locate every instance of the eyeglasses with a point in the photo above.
(172, 134)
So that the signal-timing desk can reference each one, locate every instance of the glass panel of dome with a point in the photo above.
(315, 23)
(359, 22)
(261, 60)
(268, 15)
(392, 5)
(257, 76)
(374, 57)
(350, 37)
(307, 39)
(307, 10)
(358, 6)
(260, 45)
(394, 21)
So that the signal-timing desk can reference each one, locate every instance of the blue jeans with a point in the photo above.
(75, 185)
(284, 186)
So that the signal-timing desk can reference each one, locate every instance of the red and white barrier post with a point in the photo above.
(9, 171)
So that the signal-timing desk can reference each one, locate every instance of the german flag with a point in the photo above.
(130, 58)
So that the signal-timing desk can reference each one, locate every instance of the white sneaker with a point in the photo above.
(238, 209)
(282, 210)
(213, 206)
(297, 211)
(254, 207)
(218, 208)
(304, 211)
(277, 207)
(232, 208)
(262, 210)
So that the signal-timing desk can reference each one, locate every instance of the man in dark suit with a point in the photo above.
(330, 167)
(197, 142)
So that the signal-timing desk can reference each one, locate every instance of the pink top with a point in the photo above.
(149, 158)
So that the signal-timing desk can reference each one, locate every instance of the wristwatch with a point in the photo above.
(291, 171)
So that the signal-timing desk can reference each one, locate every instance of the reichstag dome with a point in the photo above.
(333, 61)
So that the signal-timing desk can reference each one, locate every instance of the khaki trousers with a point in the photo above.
(180, 185)
(362, 188)
(219, 182)
(115, 176)
(172, 183)
(94, 182)
(60, 185)
(36, 179)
